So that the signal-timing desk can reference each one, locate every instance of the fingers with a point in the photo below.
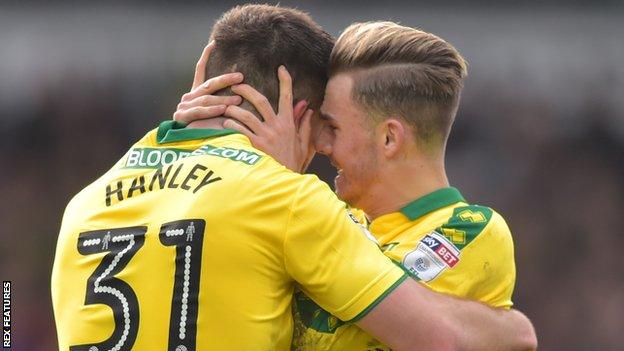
(245, 117)
(286, 96)
(259, 101)
(200, 68)
(232, 124)
(213, 85)
(199, 112)
(210, 100)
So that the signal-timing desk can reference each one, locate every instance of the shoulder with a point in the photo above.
(469, 222)
(282, 190)
(482, 256)
(149, 139)
(275, 175)
(312, 195)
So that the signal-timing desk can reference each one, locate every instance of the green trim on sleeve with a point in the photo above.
(431, 202)
(378, 300)
(316, 318)
(466, 223)
(172, 131)
(407, 271)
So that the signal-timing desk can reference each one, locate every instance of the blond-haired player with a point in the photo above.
(389, 105)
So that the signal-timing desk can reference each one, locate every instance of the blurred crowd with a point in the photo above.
(545, 149)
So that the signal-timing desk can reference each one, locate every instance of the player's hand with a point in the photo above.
(285, 135)
(199, 103)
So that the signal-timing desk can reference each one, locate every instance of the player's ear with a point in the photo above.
(299, 110)
(393, 132)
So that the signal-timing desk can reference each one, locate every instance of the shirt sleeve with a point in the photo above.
(498, 275)
(486, 271)
(329, 255)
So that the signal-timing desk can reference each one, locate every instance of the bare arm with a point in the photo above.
(413, 317)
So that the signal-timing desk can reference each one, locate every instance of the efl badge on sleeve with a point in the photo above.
(431, 257)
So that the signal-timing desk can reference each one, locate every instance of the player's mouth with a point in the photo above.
(338, 172)
(339, 178)
(338, 169)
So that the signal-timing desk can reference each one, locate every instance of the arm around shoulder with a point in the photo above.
(409, 319)
(413, 317)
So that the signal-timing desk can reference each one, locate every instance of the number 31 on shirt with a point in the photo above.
(121, 244)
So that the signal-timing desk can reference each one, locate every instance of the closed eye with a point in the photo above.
(329, 121)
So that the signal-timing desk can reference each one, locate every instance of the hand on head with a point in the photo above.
(284, 135)
(200, 103)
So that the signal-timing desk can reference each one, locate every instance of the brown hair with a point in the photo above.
(402, 72)
(256, 39)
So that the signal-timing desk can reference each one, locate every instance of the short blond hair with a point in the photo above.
(402, 72)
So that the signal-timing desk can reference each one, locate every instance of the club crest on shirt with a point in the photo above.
(431, 257)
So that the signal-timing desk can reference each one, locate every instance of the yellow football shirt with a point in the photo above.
(442, 241)
(194, 240)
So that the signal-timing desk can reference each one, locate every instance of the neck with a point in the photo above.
(404, 181)
(212, 123)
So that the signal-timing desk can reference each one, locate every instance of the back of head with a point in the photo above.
(403, 72)
(256, 39)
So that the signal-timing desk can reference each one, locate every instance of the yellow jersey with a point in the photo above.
(440, 240)
(195, 240)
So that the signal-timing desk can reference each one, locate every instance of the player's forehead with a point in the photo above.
(338, 87)
(338, 104)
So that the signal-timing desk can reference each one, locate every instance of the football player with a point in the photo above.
(389, 105)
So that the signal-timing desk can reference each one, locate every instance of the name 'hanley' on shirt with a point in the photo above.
(174, 176)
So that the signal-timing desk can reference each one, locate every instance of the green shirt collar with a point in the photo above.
(431, 202)
(172, 131)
